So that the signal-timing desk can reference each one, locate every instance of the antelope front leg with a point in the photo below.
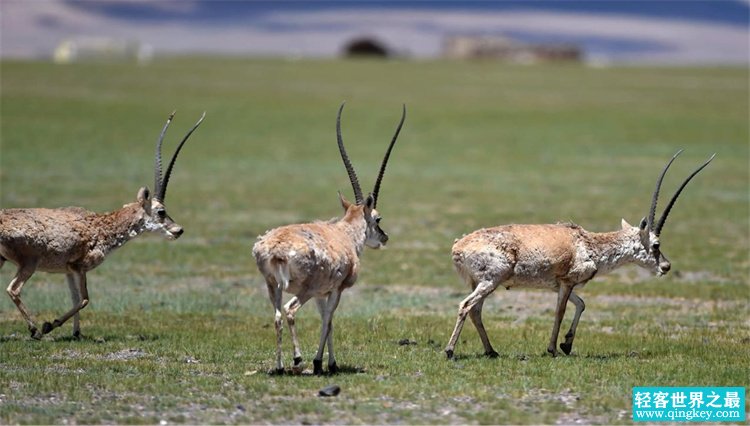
(84, 301)
(562, 299)
(322, 306)
(326, 308)
(580, 306)
(14, 291)
(483, 289)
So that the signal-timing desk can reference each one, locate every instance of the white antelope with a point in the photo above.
(321, 259)
(560, 257)
(73, 241)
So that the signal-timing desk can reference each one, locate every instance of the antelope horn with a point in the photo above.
(157, 161)
(376, 189)
(349, 169)
(652, 211)
(161, 194)
(664, 215)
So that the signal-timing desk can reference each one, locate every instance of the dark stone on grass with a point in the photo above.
(406, 342)
(330, 390)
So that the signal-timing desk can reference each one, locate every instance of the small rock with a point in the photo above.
(241, 407)
(406, 342)
(250, 373)
(330, 390)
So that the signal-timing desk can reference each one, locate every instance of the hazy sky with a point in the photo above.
(675, 32)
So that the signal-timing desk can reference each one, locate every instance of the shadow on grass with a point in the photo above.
(342, 369)
(616, 355)
(17, 337)
(464, 357)
(527, 357)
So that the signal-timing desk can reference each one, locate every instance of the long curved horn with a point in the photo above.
(664, 215)
(163, 189)
(376, 189)
(157, 161)
(652, 211)
(349, 169)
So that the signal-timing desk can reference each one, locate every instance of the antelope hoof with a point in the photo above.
(491, 354)
(77, 334)
(47, 327)
(35, 334)
(298, 367)
(333, 368)
(449, 353)
(552, 351)
(278, 371)
(566, 348)
(317, 367)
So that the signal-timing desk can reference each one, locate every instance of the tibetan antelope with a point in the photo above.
(73, 241)
(560, 257)
(321, 259)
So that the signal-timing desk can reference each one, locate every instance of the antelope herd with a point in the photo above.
(321, 259)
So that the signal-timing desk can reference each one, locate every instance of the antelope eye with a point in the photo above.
(377, 220)
(655, 246)
(161, 213)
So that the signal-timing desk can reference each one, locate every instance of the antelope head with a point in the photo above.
(649, 254)
(156, 218)
(375, 237)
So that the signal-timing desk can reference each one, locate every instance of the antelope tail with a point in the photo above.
(280, 268)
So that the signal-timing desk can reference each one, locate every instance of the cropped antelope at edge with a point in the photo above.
(559, 257)
(73, 241)
(321, 259)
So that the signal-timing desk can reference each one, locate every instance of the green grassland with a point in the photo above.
(183, 332)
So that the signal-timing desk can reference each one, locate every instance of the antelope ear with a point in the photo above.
(144, 199)
(643, 224)
(625, 225)
(370, 201)
(143, 195)
(345, 204)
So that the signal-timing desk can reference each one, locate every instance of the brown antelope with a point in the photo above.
(321, 259)
(73, 241)
(560, 257)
